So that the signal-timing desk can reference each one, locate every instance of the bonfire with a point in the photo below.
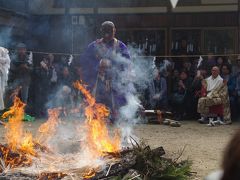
(100, 156)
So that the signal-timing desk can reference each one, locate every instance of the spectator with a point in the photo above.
(231, 84)
(77, 73)
(66, 78)
(4, 67)
(217, 94)
(158, 92)
(208, 64)
(54, 68)
(214, 81)
(44, 74)
(187, 66)
(220, 61)
(20, 71)
(196, 92)
(238, 91)
(236, 68)
(77, 95)
(195, 65)
(174, 79)
(231, 162)
(63, 97)
(226, 72)
(180, 95)
(229, 78)
(231, 159)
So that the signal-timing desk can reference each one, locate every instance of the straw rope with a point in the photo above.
(140, 56)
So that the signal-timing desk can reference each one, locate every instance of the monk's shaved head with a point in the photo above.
(215, 71)
(108, 24)
(215, 68)
(108, 30)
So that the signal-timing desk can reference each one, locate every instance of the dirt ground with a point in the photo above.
(204, 145)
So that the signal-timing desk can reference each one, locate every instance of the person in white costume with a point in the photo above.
(4, 68)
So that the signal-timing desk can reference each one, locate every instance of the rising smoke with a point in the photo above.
(130, 81)
(6, 37)
(130, 77)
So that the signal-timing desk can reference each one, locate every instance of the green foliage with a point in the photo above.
(116, 178)
(179, 171)
(152, 165)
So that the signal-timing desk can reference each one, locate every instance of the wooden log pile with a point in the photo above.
(142, 162)
(12, 159)
(139, 162)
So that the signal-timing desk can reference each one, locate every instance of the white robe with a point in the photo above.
(213, 83)
(4, 68)
(216, 175)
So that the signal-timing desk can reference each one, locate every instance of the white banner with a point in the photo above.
(174, 3)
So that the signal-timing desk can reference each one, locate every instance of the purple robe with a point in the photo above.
(91, 58)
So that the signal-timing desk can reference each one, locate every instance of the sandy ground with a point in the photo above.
(204, 145)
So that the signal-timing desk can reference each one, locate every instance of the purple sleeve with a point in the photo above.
(89, 62)
(124, 50)
(120, 99)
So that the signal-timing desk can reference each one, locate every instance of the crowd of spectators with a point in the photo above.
(41, 81)
(180, 89)
(42, 77)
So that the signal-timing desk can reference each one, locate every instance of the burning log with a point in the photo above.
(145, 162)
(99, 144)
(24, 176)
(141, 159)
(128, 159)
(42, 148)
(53, 176)
(13, 159)
(120, 168)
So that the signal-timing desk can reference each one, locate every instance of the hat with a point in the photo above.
(21, 45)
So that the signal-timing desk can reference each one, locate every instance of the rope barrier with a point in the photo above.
(197, 55)
(140, 56)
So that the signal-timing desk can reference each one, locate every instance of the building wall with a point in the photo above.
(73, 23)
(68, 26)
(71, 33)
(14, 28)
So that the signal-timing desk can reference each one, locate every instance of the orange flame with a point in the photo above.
(98, 138)
(89, 174)
(20, 143)
(27, 145)
(13, 159)
(16, 138)
(48, 128)
(14, 126)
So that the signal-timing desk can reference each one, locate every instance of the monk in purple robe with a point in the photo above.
(102, 63)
